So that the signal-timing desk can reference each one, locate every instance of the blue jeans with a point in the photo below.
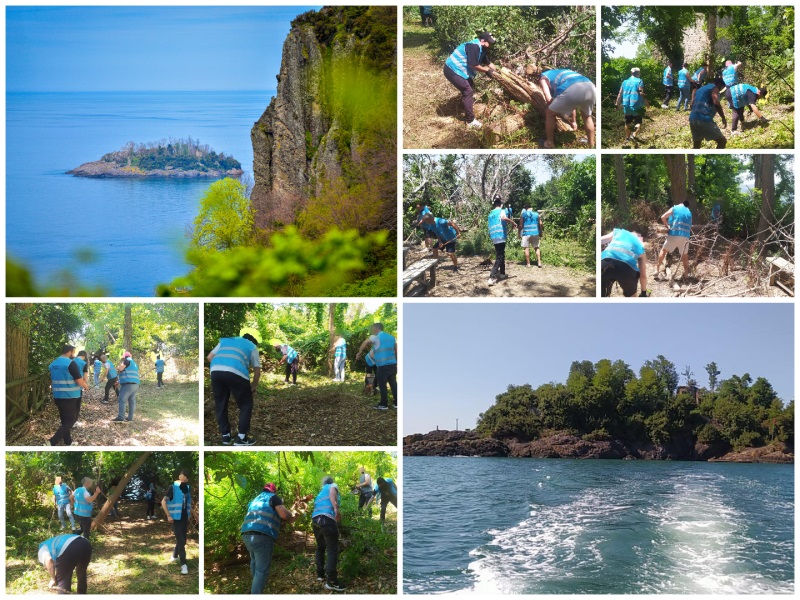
(338, 368)
(127, 395)
(684, 95)
(260, 549)
(96, 378)
(65, 508)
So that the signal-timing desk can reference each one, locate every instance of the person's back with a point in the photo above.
(631, 98)
(729, 75)
(62, 383)
(457, 61)
(233, 356)
(561, 79)
(444, 230)
(624, 247)
(261, 517)
(530, 222)
(681, 221)
(497, 227)
(683, 78)
(385, 354)
(740, 95)
(703, 107)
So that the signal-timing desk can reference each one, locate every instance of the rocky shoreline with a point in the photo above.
(101, 168)
(565, 445)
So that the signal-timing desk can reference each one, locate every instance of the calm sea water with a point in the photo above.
(527, 526)
(134, 227)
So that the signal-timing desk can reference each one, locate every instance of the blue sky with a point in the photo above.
(145, 48)
(459, 356)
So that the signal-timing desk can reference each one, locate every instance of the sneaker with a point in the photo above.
(528, 266)
(393, 407)
(103, 401)
(247, 441)
(320, 577)
(491, 281)
(334, 586)
(539, 265)
(736, 132)
(184, 569)
(380, 407)
(226, 440)
(129, 420)
(117, 420)
(174, 559)
(502, 277)
(664, 106)
(475, 124)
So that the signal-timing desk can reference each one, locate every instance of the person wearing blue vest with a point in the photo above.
(460, 68)
(260, 529)
(668, 79)
(129, 385)
(498, 233)
(177, 505)
(98, 366)
(388, 493)
(419, 221)
(684, 88)
(112, 381)
(150, 496)
(730, 75)
(84, 503)
(371, 376)
(384, 352)
(446, 232)
(697, 79)
(743, 95)
(364, 490)
(530, 229)
(716, 213)
(426, 15)
(678, 220)
(160, 364)
(66, 381)
(61, 494)
(705, 103)
(64, 555)
(339, 351)
(565, 92)
(325, 519)
(291, 358)
(231, 361)
(633, 100)
(623, 261)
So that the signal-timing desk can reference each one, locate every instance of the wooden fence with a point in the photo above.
(25, 397)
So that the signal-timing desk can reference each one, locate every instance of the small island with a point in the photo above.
(168, 158)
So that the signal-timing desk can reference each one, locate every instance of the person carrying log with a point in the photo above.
(624, 262)
(742, 95)
(678, 220)
(705, 102)
(632, 97)
(565, 91)
(460, 68)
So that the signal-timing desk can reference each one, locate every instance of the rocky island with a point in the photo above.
(169, 158)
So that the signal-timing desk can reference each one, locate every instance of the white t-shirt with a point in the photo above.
(340, 342)
(375, 343)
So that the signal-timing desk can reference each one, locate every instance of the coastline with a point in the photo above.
(101, 169)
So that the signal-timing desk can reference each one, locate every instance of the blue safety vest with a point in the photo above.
(82, 507)
(680, 223)
(458, 59)
(729, 76)
(63, 385)
(149, 494)
(369, 359)
(234, 353)
(340, 351)
(624, 247)
(561, 79)
(444, 231)
(55, 545)
(179, 502)
(699, 75)
(291, 355)
(530, 222)
(160, 366)
(112, 371)
(703, 107)
(130, 374)
(497, 227)
(683, 79)
(61, 493)
(261, 516)
(715, 213)
(739, 94)
(631, 99)
(668, 76)
(385, 354)
(323, 504)
(393, 488)
(81, 364)
(97, 366)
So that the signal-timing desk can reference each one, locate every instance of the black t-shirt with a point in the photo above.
(473, 52)
(74, 370)
(275, 501)
(171, 493)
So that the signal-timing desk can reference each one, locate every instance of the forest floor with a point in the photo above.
(130, 555)
(708, 278)
(293, 569)
(165, 417)
(315, 412)
(473, 274)
(668, 128)
(433, 116)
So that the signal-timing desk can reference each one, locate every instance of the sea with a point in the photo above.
(125, 236)
(556, 526)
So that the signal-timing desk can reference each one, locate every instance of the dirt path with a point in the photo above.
(166, 417)
(473, 274)
(668, 128)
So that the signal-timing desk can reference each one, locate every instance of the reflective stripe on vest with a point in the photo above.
(63, 385)
(323, 504)
(369, 359)
(683, 78)
(624, 247)
(56, 545)
(444, 231)
(130, 374)
(729, 76)
(234, 353)
(497, 227)
(62, 494)
(630, 93)
(291, 354)
(179, 502)
(680, 223)
(530, 222)
(458, 59)
(340, 351)
(667, 76)
(112, 371)
(261, 516)
(703, 108)
(739, 94)
(385, 354)
(82, 507)
(561, 79)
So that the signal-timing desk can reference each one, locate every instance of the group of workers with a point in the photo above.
(69, 375)
(694, 92)
(70, 553)
(266, 512)
(564, 90)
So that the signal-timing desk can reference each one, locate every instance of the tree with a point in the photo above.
(225, 219)
(622, 197)
(676, 166)
(127, 337)
(711, 369)
(118, 489)
(331, 333)
(765, 167)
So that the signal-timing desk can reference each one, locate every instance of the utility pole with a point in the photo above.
(456, 423)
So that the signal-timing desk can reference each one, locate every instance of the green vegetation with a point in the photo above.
(184, 155)
(607, 400)
(225, 219)
(368, 551)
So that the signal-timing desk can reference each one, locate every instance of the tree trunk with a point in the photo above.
(110, 500)
(676, 167)
(691, 199)
(332, 334)
(622, 196)
(767, 180)
(527, 92)
(127, 336)
(711, 33)
(18, 327)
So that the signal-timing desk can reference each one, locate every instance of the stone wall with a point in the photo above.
(694, 40)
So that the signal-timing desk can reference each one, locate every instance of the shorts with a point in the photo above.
(578, 95)
(530, 241)
(429, 235)
(677, 242)
(615, 271)
(449, 247)
(635, 119)
(693, 84)
(705, 130)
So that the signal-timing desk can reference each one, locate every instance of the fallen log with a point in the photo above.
(527, 92)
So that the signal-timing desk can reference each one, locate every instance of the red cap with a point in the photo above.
(270, 487)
